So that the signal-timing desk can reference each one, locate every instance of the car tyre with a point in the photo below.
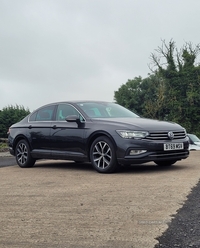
(23, 154)
(103, 156)
(165, 163)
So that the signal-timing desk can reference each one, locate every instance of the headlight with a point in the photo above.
(128, 134)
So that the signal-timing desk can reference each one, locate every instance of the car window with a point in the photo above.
(43, 114)
(193, 138)
(105, 110)
(65, 110)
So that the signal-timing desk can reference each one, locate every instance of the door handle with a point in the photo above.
(29, 126)
(54, 126)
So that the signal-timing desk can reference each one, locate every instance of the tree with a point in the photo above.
(182, 83)
(130, 95)
(10, 115)
(172, 90)
(143, 96)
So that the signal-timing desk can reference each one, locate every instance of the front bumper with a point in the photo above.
(154, 156)
(154, 151)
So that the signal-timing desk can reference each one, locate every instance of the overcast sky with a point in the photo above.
(56, 50)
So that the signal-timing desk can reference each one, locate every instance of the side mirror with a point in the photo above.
(73, 118)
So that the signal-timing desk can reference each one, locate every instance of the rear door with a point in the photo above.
(39, 130)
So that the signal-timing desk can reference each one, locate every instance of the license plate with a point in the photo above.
(173, 146)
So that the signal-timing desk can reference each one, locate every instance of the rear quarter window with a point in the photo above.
(43, 114)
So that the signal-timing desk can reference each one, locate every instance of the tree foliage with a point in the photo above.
(172, 90)
(10, 115)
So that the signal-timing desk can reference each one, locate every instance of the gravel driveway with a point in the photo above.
(62, 204)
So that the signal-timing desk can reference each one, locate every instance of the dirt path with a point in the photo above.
(60, 204)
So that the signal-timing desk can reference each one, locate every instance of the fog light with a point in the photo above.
(136, 152)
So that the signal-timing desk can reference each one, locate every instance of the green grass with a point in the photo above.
(3, 147)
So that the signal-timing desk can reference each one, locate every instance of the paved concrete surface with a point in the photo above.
(62, 204)
(6, 159)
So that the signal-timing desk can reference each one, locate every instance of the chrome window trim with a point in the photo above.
(56, 105)
(63, 103)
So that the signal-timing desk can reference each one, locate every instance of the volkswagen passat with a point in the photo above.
(103, 133)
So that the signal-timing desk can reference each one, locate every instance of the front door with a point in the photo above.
(67, 138)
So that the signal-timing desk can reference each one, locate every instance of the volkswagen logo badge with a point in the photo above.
(170, 135)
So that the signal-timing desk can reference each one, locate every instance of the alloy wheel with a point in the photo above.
(102, 154)
(22, 153)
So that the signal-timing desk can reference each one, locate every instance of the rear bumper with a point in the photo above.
(12, 152)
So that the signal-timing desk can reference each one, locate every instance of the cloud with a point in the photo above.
(83, 49)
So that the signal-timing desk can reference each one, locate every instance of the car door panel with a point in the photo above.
(39, 131)
(67, 138)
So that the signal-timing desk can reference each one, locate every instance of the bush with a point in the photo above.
(10, 115)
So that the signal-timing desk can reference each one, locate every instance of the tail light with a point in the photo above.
(8, 131)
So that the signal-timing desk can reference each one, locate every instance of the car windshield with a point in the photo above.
(194, 138)
(105, 110)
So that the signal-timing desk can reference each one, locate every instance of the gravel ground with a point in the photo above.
(61, 204)
(184, 229)
(5, 154)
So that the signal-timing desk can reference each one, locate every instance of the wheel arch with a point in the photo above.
(18, 138)
(95, 135)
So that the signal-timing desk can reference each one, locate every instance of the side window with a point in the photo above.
(33, 116)
(43, 114)
(64, 110)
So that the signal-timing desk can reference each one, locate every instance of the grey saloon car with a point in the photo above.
(103, 133)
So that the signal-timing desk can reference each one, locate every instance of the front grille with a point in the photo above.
(169, 154)
(164, 135)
